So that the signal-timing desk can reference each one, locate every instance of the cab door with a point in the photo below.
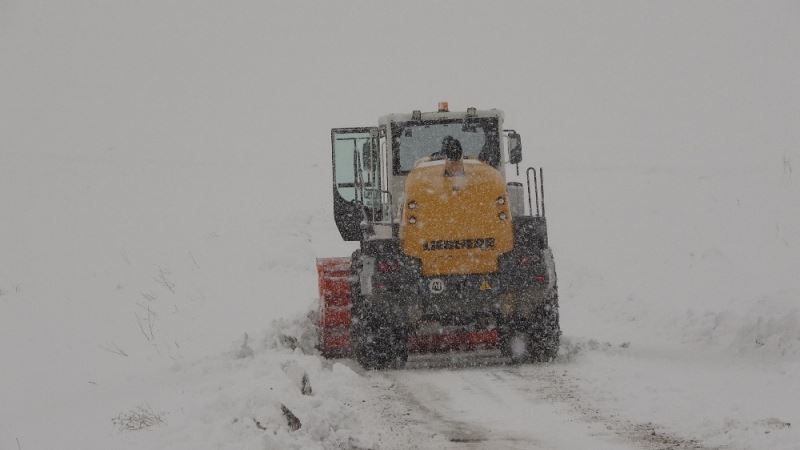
(356, 177)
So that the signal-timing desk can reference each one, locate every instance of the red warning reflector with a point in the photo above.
(444, 107)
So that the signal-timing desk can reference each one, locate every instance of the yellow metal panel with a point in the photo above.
(457, 228)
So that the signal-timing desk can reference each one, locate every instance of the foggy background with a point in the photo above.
(167, 162)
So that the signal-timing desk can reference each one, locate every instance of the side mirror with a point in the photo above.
(514, 148)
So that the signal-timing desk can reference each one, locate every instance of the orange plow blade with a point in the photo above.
(334, 306)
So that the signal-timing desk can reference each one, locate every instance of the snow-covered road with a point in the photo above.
(512, 408)
(515, 407)
(607, 397)
(503, 408)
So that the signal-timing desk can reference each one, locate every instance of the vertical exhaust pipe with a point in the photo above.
(528, 184)
(541, 181)
(538, 184)
(535, 189)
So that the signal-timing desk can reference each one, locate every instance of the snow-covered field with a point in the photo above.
(164, 189)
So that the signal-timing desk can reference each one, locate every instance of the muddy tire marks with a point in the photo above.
(553, 383)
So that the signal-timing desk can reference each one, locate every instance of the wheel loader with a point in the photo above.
(449, 257)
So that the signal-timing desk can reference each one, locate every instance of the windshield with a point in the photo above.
(415, 140)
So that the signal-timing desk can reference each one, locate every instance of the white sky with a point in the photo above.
(600, 83)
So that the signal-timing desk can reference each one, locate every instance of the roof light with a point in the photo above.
(502, 216)
(501, 201)
(416, 115)
(472, 111)
(412, 220)
(444, 107)
(412, 204)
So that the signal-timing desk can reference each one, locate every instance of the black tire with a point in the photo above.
(545, 332)
(514, 344)
(533, 339)
(380, 347)
(378, 342)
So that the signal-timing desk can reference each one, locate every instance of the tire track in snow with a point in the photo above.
(478, 408)
(518, 407)
(425, 398)
(559, 387)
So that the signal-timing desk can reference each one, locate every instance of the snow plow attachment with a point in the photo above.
(334, 306)
(335, 318)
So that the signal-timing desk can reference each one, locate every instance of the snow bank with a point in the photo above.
(680, 255)
(236, 400)
(768, 328)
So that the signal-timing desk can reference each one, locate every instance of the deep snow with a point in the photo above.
(164, 175)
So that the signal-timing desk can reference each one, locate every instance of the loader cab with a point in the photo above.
(414, 140)
(371, 164)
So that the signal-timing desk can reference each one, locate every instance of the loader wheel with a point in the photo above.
(380, 347)
(534, 339)
(377, 341)
(515, 345)
(545, 333)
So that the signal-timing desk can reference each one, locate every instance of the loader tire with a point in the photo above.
(514, 344)
(378, 342)
(380, 346)
(533, 339)
(545, 332)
